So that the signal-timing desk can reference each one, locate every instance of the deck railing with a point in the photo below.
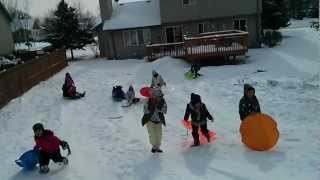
(206, 45)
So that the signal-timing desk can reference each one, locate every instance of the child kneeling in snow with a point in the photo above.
(48, 146)
(154, 110)
(69, 88)
(130, 96)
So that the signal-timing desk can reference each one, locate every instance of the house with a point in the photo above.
(6, 39)
(130, 25)
(38, 32)
(21, 27)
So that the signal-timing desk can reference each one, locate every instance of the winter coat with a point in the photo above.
(69, 88)
(157, 81)
(117, 92)
(154, 111)
(130, 95)
(48, 142)
(197, 119)
(195, 68)
(248, 105)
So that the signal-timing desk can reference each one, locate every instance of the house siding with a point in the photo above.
(174, 10)
(113, 46)
(6, 39)
(219, 14)
(221, 24)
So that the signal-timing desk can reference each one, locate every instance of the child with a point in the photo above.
(69, 88)
(130, 96)
(48, 146)
(195, 68)
(154, 110)
(249, 103)
(118, 93)
(157, 81)
(199, 115)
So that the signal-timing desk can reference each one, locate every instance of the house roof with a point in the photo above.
(133, 14)
(5, 12)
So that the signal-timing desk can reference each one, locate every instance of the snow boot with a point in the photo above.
(159, 150)
(196, 143)
(44, 169)
(208, 137)
(153, 150)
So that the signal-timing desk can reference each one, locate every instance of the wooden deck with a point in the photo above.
(222, 44)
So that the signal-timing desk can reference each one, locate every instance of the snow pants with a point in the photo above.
(45, 157)
(155, 133)
(195, 134)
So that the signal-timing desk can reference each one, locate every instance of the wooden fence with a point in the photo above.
(17, 80)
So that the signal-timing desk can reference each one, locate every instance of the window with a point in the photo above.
(174, 34)
(189, 2)
(137, 37)
(204, 27)
(240, 24)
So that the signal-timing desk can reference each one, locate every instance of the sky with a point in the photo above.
(42, 7)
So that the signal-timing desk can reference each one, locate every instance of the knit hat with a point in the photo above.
(195, 98)
(37, 126)
(247, 87)
(154, 72)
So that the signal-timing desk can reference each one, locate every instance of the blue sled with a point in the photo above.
(28, 160)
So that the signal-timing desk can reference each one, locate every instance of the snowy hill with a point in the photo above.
(105, 147)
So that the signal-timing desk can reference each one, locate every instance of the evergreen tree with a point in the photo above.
(275, 14)
(64, 30)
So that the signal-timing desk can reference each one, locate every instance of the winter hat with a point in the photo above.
(154, 73)
(157, 93)
(247, 87)
(195, 98)
(37, 126)
(130, 88)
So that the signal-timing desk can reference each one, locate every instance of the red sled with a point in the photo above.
(202, 137)
(145, 92)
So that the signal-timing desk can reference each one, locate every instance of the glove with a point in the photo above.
(211, 119)
(64, 145)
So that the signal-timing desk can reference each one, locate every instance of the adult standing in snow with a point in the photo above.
(249, 103)
(157, 80)
(48, 146)
(199, 115)
(69, 88)
(154, 110)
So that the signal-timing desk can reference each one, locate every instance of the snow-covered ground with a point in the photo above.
(35, 46)
(118, 149)
(88, 52)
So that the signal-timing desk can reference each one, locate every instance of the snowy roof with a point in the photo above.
(35, 46)
(133, 14)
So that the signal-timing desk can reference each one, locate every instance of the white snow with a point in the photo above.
(89, 51)
(35, 46)
(134, 14)
(118, 149)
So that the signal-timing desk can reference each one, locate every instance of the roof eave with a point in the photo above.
(6, 13)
